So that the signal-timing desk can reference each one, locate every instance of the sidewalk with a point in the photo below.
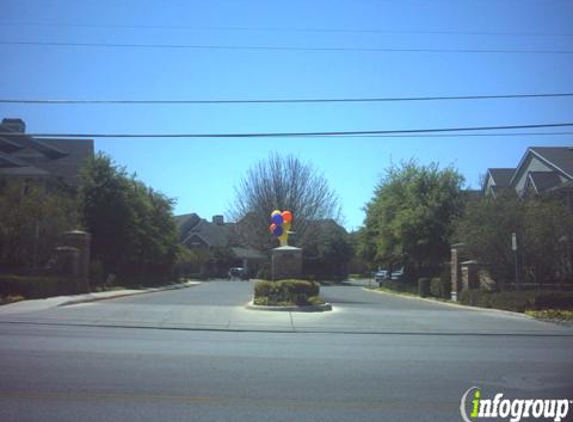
(35, 305)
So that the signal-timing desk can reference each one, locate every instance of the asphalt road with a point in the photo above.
(63, 365)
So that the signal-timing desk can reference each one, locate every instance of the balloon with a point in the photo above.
(275, 212)
(287, 216)
(272, 227)
(278, 231)
(277, 219)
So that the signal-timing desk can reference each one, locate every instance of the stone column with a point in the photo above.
(81, 240)
(286, 262)
(456, 270)
(67, 261)
(470, 277)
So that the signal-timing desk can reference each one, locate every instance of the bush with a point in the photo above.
(518, 301)
(424, 287)
(441, 287)
(401, 286)
(297, 292)
(38, 287)
(265, 273)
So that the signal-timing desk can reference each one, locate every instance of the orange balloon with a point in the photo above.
(287, 216)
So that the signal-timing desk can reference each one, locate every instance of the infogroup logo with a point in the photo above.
(514, 409)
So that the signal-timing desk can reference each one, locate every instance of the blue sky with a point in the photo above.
(201, 173)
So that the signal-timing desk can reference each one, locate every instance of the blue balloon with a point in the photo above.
(277, 219)
(278, 231)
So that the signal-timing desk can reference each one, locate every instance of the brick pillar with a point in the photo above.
(470, 277)
(80, 240)
(286, 262)
(456, 270)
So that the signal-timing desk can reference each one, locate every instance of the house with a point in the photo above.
(541, 171)
(198, 233)
(497, 181)
(52, 162)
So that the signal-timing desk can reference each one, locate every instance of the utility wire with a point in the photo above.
(280, 134)
(287, 29)
(465, 135)
(284, 101)
(279, 48)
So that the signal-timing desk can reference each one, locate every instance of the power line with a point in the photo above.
(291, 29)
(279, 48)
(283, 134)
(284, 101)
(465, 135)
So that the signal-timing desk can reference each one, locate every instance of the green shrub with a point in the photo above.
(401, 286)
(518, 301)
(441, 287)
(38, 287)
(296, 292)
(264, 273)
(424, 287)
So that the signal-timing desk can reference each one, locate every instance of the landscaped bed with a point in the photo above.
(289, 294)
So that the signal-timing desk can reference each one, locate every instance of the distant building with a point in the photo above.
(198, 233)
(53, 162)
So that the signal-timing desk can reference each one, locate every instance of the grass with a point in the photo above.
(387, 290)
(4, 300)
(555, 315)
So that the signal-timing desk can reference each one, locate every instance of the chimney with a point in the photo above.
(218, 220)
(14, 125)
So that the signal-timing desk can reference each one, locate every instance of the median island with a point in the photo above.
(288, 295)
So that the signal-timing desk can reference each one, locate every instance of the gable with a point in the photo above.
(531, 163)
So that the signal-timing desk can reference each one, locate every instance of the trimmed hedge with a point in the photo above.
(441, 287)
(518, 301)
(38, 287)
(424, 287)
(297, 292)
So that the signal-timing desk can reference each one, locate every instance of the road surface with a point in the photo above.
(374, 358)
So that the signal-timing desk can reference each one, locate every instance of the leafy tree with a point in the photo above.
(283, 183)
(543, 227)
(328, 250)
(32, 218)
(132, 225)
(409, 219)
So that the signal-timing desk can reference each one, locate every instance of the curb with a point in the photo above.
(456, 305)
(307, 308)
(120, 294)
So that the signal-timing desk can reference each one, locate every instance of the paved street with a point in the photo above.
(198, 354)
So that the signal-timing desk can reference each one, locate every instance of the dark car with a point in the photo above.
(238, 273)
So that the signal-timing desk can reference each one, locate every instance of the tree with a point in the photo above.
(132, 225)
(328, 251)
(32, 218)
(543, 227)
(283, 183)
(408, 221)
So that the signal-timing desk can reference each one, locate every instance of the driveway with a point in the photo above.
(219, 305)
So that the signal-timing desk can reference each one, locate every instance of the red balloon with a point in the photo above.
(272, 228)
(287, 216)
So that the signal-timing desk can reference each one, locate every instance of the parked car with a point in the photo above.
(238, 273)
(382, 275)
(398, 274)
